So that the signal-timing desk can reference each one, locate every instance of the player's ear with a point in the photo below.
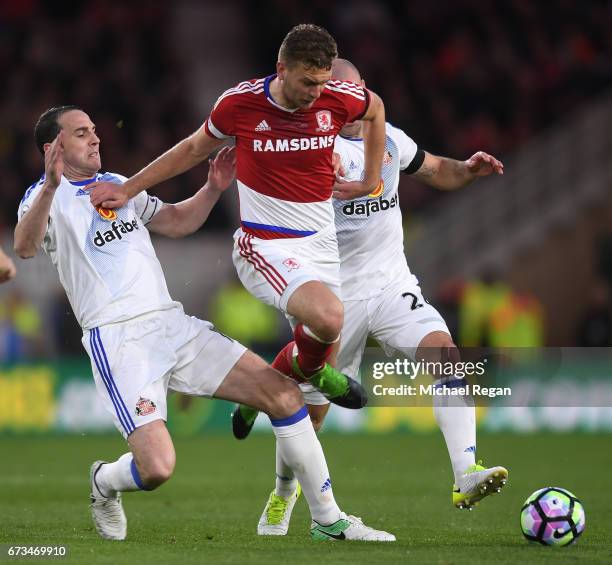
(281, 69)
(363, 83)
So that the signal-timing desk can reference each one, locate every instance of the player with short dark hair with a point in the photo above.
(310, 45)
(140, 341)
(47, 127)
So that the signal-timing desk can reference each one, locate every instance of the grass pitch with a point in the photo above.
(209, 510)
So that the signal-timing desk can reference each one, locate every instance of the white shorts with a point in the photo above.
(134, 363)
(398, 318)
(272, 269)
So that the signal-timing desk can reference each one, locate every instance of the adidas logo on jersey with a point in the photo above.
(365, 208)
(115, 233)
(263, 126)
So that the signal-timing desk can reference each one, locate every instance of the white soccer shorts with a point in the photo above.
(136, 362)
(398, 319)
(272, 269)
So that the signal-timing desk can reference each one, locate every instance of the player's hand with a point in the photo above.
(7, 268)
(107, 194)
(222, 169)
(347, 190)
(482, 164)
(54, 162)
(337, 164)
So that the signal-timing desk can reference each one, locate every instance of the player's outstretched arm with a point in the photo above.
(32, 226)
(447, 174)
(7, 267)
(374, 147)
(183, 156)
(186, 217)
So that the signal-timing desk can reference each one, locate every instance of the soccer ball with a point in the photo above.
(552, 516)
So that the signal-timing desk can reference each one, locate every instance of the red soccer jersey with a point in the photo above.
(284, 157)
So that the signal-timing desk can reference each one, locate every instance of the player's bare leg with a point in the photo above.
(243, 417)
(320, 314)
(318, 308)
(308, 355)
(148, 465)
(317, 414)
(456, 417)
(252, 381)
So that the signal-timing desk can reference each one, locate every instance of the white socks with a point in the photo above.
(456, 417)
(299, 448)
(286, 482)
(120, 476)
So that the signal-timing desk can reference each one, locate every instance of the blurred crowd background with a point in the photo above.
(457, 76)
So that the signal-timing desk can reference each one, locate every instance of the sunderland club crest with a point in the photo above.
(324, 119)
(144, 407)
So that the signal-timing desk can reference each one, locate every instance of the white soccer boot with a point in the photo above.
(107, 512)
(476, 483)
(348, 528)
(275, 518)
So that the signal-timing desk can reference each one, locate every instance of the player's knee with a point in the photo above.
(329, 320)
(285, 402)
(438, 346)
(156, 472)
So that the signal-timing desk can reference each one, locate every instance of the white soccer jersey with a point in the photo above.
(369, 229)
(105, 259)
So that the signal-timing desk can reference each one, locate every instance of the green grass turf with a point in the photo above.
(208, 512)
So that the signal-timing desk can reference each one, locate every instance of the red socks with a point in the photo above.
(312, 353)
(282, 362)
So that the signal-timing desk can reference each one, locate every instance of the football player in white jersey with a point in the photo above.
(7, 267)
(140, 341)
(382, 298)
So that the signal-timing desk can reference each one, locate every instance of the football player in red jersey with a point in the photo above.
(285, 251)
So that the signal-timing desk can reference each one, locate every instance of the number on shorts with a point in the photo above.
(415, 301)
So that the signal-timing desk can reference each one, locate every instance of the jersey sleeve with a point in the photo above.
(146, 206)
(49, 241)
(221, 122)
(411, 157)
(355, 98)
(28, 199)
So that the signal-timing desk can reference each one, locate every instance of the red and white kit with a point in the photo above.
(285, 178)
